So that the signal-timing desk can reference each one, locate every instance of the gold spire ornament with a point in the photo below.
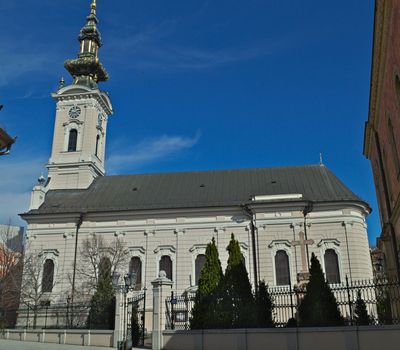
(87, 69)
(93, 6)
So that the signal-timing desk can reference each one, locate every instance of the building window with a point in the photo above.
(393, 145)
(105, 267)
(282, 271)
(97, 145)
(331, 266)
(199, 263)
(48, 276)
(135, 265)
(72, 140)
(387, 177)
(166, 265)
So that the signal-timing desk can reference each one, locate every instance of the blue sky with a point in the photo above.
(196, 84)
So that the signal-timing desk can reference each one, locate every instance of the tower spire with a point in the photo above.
(87, 69)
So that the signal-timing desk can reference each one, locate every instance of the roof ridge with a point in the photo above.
(219, 170)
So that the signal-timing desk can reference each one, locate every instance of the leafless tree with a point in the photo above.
(10, 276)
(37, 283)
(91, 252)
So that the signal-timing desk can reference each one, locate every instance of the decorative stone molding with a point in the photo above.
(198, 249)
(137, 250)
(165, 248)
(329, 243)
(296, 226)
(68, 235)
(49, 252)
(347, 224)
(280, 244)
(149, 232)
(119, 234)
(239, 218)
(31, 236)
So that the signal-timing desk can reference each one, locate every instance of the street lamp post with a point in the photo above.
(128, 285)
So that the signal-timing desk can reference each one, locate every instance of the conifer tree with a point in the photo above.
(102, 305)
(264, 306)
(204, 314)
(319, 307)
(361, 316)
(238, 308)
(135, 327)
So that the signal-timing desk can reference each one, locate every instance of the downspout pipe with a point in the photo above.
(307, 209)
(78, 226)
(249, 213)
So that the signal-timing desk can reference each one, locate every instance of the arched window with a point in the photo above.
(331, 266)
(282, 268)
(72, 140)
(135, 265)
(199, 263)
(48, 276)
(166, 265)
(97, 145)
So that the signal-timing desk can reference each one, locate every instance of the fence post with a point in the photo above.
(161, 290)
(291, 299)
(27, 317)
(45, 317)
(349, 300)
(144, 314)
(172, 311)
(119, 313)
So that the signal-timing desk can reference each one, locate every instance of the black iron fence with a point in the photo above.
(178, 311)
(136, 322)
(381, 297)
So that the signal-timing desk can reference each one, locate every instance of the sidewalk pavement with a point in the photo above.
(23, 345)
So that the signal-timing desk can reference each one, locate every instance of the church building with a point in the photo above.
(280, 216)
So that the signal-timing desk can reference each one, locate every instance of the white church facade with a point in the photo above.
(166, 220)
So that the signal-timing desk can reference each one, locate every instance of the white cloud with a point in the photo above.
(16, 181)
(148, 151)
(154, 48)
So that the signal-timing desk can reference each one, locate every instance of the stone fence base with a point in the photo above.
(331, 338)
(71, 337)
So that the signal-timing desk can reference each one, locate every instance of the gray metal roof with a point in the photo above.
(197, 189)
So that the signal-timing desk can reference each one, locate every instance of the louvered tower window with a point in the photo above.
(72, 140)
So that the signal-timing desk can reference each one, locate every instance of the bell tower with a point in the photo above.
(82, 112)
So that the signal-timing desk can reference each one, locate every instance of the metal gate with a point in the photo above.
(136, 328)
